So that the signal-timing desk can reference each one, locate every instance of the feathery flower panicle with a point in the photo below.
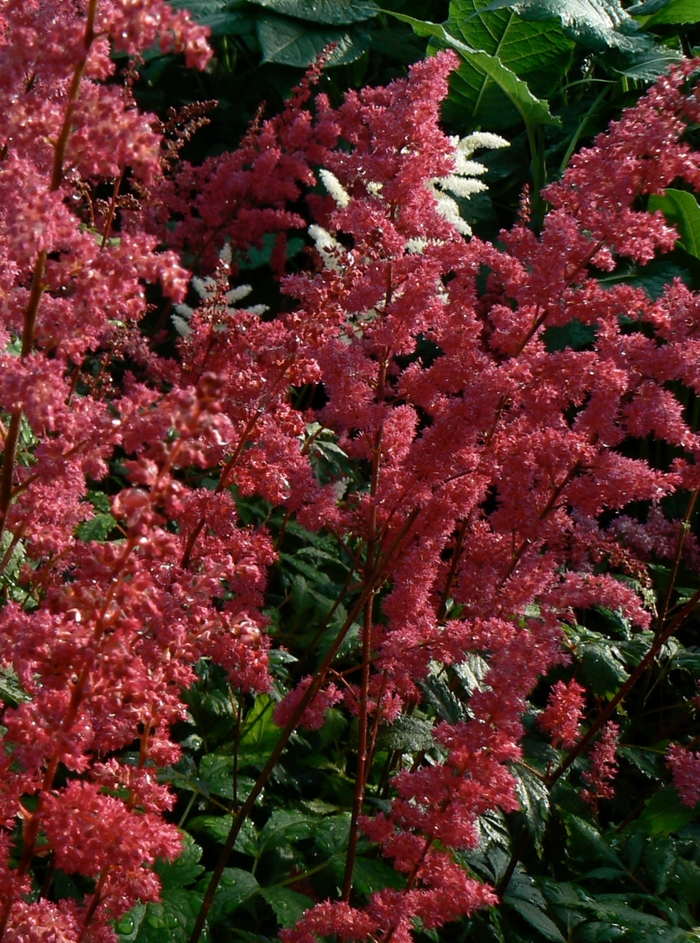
(685, 768)
(603, 768)
(564, 713)
(496, 465)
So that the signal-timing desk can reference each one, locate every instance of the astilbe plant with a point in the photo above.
(495, 489)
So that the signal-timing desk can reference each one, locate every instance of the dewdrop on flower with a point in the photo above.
(463, 182)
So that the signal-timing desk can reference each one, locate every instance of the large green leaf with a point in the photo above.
(331, 12)
(595, 24)
(532, 50)
(484, 66)
(677, 11)
(682, 211)
(297, 43)
(219, 15)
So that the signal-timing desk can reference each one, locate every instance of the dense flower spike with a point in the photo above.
(603, 769)
(564, 713)
(497, 499)
(685, 766)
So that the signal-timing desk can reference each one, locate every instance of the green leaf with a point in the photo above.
(537, 919)
(285, 828)
(171, 919)
(660, 862)
(332, 12)
(97, 528)
(259, 734)
(295, 43)
(406, 733)
(331, 834)
(218, 828)
(11, 691)
(677, 11)
(217, 15)
(587, 845)
(235, 887)
(185, 869)
(594, 24)
(682, 211)
(216, 771)
(533, 796)
(370, 875)
(288, 905)
(444, 701)
(533, 51)
(664, 813)
(484, 66)
(602, 669)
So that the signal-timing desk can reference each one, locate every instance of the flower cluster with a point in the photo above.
(497, 496)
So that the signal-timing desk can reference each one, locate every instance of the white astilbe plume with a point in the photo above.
(209, 290)
(328, 247)
(463, 181)
(334, 187)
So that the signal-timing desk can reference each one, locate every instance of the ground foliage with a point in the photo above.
(360, 603)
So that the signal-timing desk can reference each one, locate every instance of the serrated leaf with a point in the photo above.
(594, 24)
(331, 833)
(409, 734)
(648, 64)
(660, 862)
(682, 211)
(259, 735)
(171, 919)
(533, 796)
(537, 919)
(677, 11)
(216, 771)
(11, 691)
(331, 12)
(185, 869)
(370, 875)
(288, 905)
(529, 49)
(97, 528)
(295, 43)
(285, 828)
(586, 844)
(601, 668)
(218, 828)
(235, 887)
(532, 109)
(444, 701)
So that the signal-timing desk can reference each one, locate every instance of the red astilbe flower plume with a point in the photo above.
(493, 457)
(685, 768)
(497, 484)
(564, 712)
(603, 769)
